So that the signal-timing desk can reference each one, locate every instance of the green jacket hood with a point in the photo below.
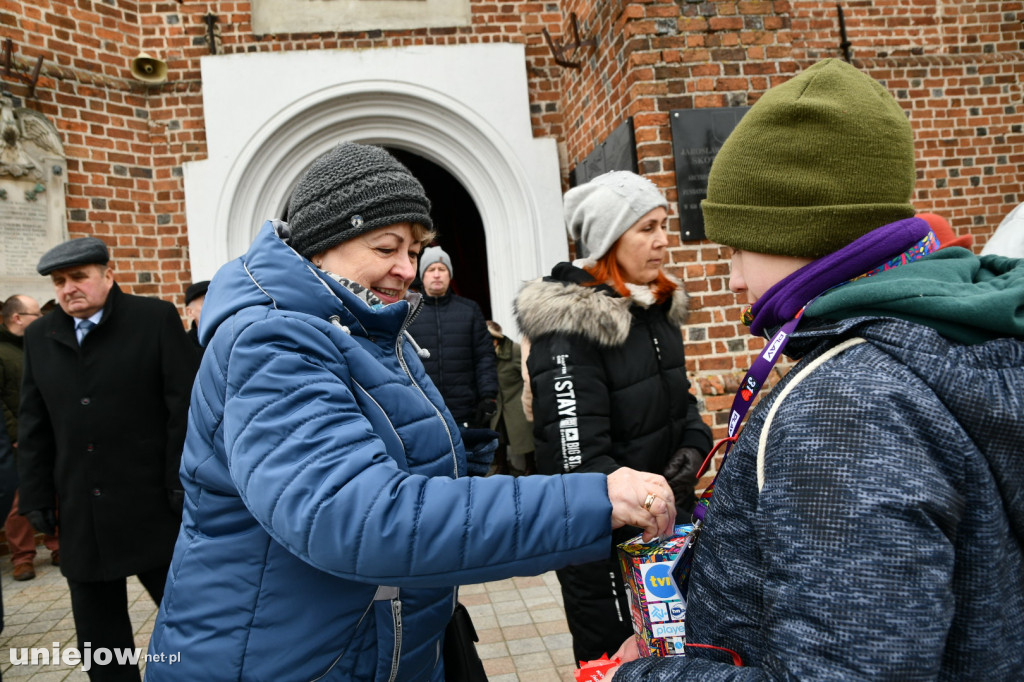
(966, 298)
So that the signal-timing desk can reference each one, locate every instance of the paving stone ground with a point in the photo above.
(520, 622)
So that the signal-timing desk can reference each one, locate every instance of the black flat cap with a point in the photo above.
(84, 251)
(196, 290)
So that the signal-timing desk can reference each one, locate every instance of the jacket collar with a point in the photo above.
(963, 297)
(7, 337)
(504, 348)
(62, 328)
(438, 300)
(561, 304)
(273, 274)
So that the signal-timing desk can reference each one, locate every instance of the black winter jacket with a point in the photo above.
(461, 363)
(608, 376)
(101, 429)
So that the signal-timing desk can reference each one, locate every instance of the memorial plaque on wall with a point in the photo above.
(615, 152)
(33, 173)
(697, 135)
(289, 16)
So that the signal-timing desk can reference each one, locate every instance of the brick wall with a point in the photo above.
(955, 66)
(126, 141)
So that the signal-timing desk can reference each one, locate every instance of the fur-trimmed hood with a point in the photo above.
(561, 304)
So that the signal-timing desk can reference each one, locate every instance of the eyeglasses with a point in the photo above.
(32, 314)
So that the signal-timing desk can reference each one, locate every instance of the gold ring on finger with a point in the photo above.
(651, 497)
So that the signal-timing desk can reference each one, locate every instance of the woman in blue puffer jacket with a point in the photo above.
(327, 518)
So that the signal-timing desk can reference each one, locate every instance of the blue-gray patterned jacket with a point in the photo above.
(869, 523)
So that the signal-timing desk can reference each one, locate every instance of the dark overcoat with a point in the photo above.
(101, 429)
(461, 362)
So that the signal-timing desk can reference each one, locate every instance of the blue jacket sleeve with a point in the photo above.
(312, 471)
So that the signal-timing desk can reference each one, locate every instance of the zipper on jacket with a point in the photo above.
(396, 613)
(663, 376)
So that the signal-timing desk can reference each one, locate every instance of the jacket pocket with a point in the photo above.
(356, 660)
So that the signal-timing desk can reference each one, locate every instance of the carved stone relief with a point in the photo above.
(33, 173)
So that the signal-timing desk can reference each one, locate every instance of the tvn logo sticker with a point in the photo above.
(658, 582)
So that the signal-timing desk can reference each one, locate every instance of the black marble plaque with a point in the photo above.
(615, 152)
(697, 135)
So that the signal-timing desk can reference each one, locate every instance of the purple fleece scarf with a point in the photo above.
(870, 252)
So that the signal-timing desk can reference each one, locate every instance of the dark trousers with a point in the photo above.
(596, 608)
(101, 619)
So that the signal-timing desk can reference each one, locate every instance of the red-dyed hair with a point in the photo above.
(606, 269)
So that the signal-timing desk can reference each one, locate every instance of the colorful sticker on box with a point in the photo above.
(667, 630)
(658, 582)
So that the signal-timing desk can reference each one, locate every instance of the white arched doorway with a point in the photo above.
(465, 108)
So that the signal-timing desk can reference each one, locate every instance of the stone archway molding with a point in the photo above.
(464, 108)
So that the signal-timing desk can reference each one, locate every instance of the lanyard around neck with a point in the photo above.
(752, 383)
(762, 367)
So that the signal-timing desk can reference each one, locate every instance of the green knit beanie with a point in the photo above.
(817, 162)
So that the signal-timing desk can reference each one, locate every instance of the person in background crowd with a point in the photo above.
(944, 233)
(867, 523)
(516, 455)
(608, 376)
(18, 312)
(195, 294)
(49, 306)
(104, 401)
(460, 357)
(8, 486)
(328, 513)
(1008, 239)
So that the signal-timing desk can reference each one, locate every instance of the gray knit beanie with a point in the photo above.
(435, 254)
(602, 210)
(351, 190)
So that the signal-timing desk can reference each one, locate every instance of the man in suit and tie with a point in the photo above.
(104, 399)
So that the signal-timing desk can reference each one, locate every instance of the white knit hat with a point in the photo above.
(600, 211)
(435, 254)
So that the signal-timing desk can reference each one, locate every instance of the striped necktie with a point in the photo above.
(83, 327)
